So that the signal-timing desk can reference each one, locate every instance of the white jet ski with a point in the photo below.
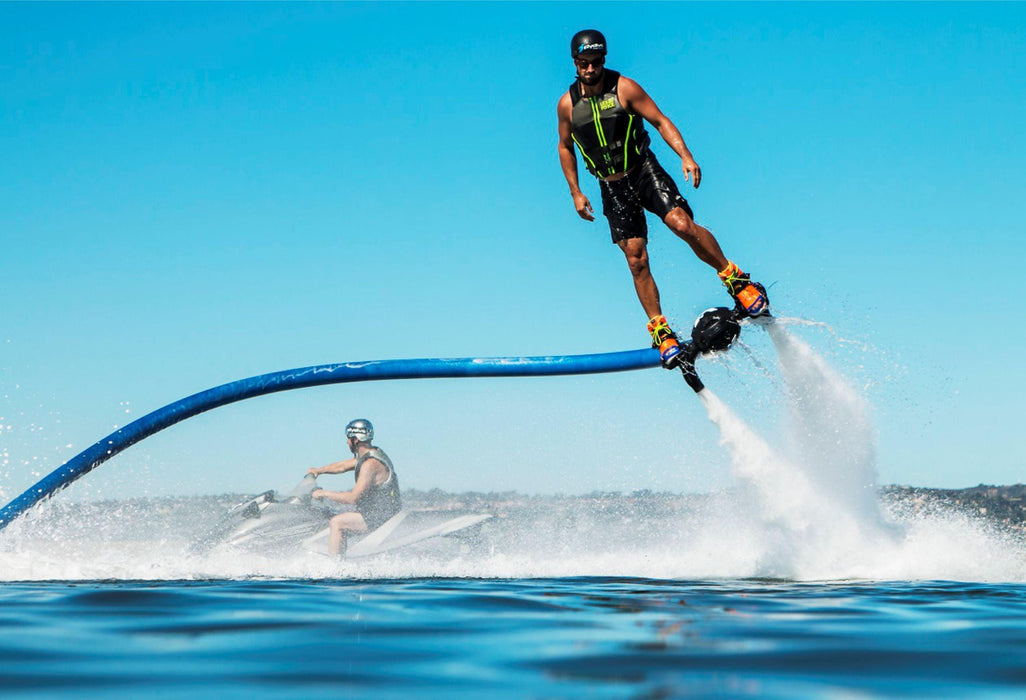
(271, 523)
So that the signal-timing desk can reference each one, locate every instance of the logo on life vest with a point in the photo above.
(607, 104)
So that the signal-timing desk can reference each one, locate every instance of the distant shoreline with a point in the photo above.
(1002, 505)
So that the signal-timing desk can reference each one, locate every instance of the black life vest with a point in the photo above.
(611, 139)
(379, 498)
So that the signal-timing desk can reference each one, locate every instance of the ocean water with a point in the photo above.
(543, 638)
(800, 581)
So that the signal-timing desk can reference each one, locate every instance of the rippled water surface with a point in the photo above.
(567, 637)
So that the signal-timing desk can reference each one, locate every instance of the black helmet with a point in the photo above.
(587, 41)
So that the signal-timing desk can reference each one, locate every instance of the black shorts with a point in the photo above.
(646, 186)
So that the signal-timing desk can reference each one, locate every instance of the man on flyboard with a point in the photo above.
(603, 113)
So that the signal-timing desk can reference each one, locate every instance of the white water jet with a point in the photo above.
(830, 428)
(810, 510)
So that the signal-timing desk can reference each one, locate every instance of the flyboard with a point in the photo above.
(715, 330)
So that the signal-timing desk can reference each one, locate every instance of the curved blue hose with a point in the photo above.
(373, 370)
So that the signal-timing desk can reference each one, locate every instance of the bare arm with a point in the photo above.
(635, 99)
(568, 159)
(333, 468)
(371, 469)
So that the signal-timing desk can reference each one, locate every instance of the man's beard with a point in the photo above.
(594, 80)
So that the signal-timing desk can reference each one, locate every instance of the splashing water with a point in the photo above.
(804, 509)
(810, 511)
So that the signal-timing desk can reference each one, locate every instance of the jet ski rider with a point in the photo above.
(375, 494)
(604, 114)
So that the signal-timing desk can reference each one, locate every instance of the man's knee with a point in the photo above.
(345, 521)
(636, 252)
(680, 223)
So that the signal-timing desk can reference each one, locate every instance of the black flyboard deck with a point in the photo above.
(715, 330)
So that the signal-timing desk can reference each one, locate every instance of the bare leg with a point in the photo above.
(636, 251)
(698, 237)
(340, 525)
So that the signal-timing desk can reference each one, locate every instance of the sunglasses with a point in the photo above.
(584, 63)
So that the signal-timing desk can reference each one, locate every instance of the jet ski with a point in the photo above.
(271, 523)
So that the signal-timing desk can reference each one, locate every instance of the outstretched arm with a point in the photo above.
(568, 159)
(333, 468)
(368, 472)
(635, 99)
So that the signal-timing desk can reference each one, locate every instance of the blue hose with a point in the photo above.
(341, 373)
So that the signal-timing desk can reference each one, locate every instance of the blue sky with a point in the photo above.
(193, 193)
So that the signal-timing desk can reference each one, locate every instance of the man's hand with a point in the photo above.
(317, 493)
(313, 471)
(691, 170)
(583, 206)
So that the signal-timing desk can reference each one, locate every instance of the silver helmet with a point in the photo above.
(361, 429)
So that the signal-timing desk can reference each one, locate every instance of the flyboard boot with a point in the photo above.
(665, 340)
(750, 297)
